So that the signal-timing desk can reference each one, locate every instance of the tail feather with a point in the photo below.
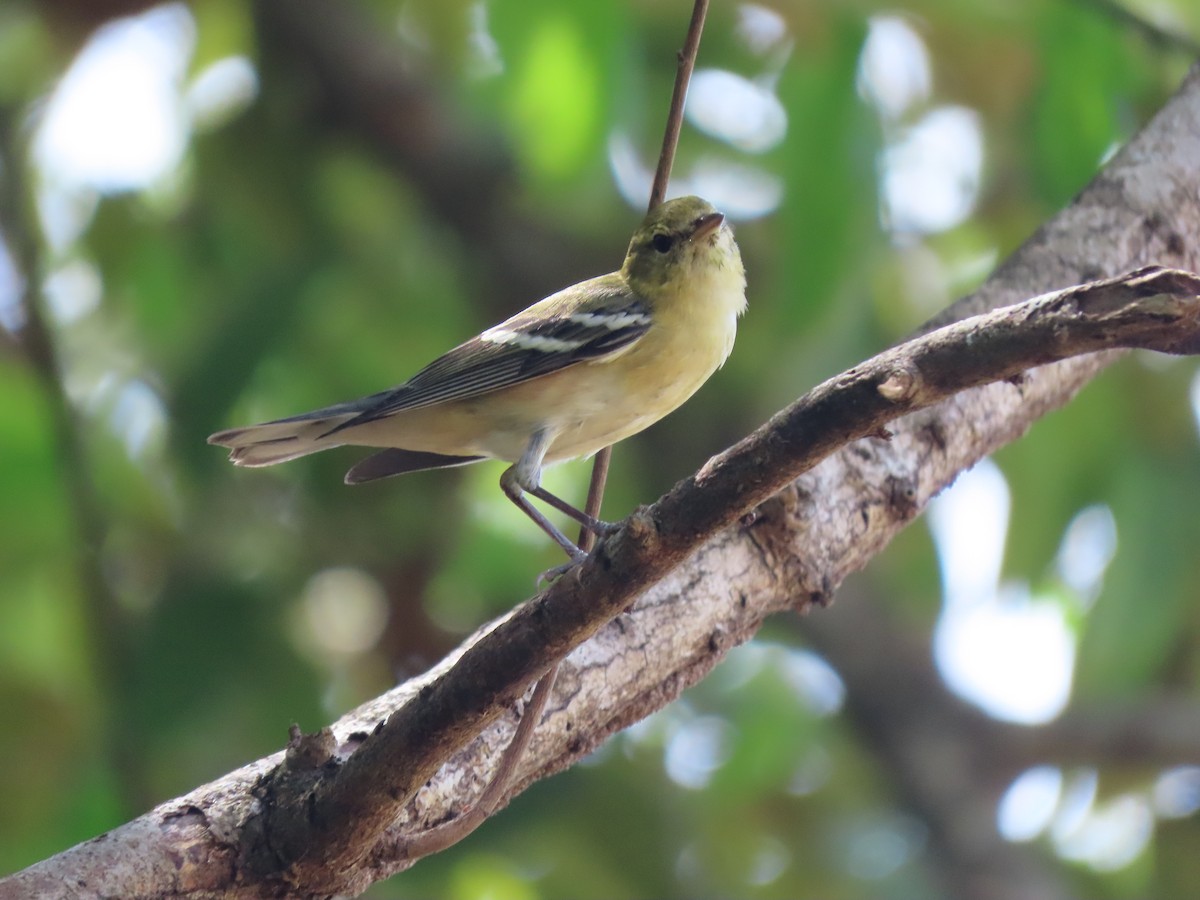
(279, 441)
(394, 461)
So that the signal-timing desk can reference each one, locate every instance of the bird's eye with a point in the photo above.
(663, 242)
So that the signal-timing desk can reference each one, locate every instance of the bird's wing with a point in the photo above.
(587, 322)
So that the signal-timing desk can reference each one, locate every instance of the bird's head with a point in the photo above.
(679, 241)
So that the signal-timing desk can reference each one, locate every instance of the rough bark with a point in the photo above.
(326, 824)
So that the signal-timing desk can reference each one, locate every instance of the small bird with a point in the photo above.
(580, 370)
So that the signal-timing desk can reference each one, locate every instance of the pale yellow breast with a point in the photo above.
(691, 338)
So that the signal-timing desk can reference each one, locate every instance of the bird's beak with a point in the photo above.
(707, 224)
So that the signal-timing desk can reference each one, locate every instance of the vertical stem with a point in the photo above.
(450, 833)
(683, 76)
(658, 192)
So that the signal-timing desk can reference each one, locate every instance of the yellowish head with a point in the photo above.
(680, 241)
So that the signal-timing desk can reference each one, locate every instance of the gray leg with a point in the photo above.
(526, 475)
(596, 526)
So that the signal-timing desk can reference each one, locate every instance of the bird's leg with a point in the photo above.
(524, 475)
(516, 495)
(592, 524)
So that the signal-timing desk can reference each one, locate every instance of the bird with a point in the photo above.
(580, 370)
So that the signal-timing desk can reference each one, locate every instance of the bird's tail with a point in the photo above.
(283, 439)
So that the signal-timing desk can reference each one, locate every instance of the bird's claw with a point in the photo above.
(552, 574)
(577, 558)
(603, 529)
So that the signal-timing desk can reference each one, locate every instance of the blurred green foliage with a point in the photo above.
(159, 619)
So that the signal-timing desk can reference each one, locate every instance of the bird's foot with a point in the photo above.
(556, 572)
(602, 529)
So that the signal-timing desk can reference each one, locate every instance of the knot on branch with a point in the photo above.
(641, 529)
(308, 751)
(902, 383)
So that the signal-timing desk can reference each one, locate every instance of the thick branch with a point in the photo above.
(344, 828)
(338, 819)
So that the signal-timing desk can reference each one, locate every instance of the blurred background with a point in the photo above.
(229, 211)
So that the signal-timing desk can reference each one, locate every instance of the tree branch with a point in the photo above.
(310, 830)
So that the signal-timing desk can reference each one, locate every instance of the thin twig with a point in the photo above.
(658, 192)
(450, 833)
(683, 76)
(587, 539)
